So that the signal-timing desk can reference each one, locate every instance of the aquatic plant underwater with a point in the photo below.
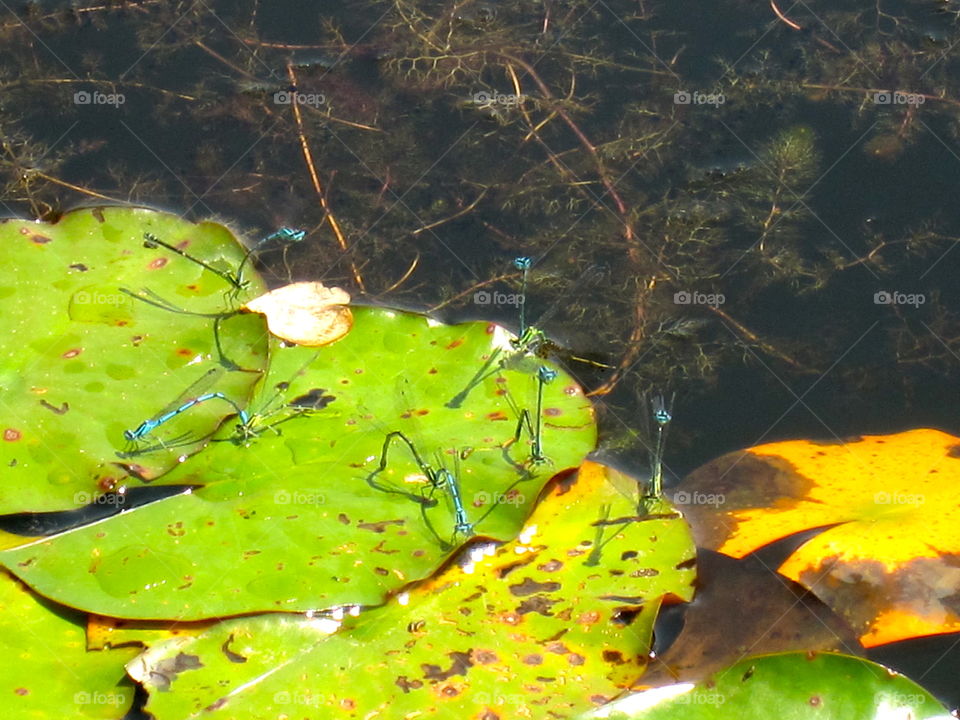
(223, 501)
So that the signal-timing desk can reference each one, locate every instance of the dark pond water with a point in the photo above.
(653, 158)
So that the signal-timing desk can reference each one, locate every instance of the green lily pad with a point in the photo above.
(547, 625)
(81, 360)
(785, 686)
(298, 516)
(47, 671)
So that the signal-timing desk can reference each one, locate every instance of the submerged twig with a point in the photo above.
(783, 17)
(317, 186)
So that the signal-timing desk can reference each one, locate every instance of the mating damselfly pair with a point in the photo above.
(437, 479)
(284, 236)
(431, 452)
(527, 350)
(273, 411)
(660, 405)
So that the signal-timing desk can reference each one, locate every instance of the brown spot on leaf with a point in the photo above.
(538, 604)
(21, 691)
(231, 656)
(40, 239)
(157, 263)
(407, 685)
(509, 568)
(12, 435)
(381, 548)
(589, 618)
(379, 527)
(459, 664)
(613, 656)
(530, 587)
(815, 701)
(498, 415)
(552, 412)
(69, 354)
(484, 657)
(54, 409)
(550, 566)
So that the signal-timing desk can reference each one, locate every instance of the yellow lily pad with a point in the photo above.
(888, 560)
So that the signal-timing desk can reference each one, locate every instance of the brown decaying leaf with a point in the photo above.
(305, 313)
(743, 607)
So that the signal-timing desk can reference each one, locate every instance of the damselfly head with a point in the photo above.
(661, 411)
(546, 375)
